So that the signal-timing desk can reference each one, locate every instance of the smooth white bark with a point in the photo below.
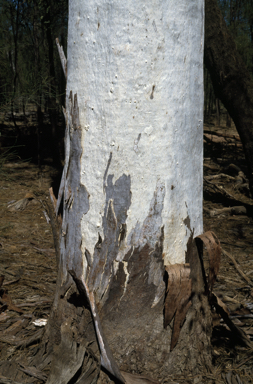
(136, 67)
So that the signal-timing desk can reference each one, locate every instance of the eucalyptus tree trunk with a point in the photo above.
(132, 195)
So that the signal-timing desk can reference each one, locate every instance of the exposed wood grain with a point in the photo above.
(213, 247)
(177, 301)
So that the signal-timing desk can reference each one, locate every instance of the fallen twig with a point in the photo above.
(6, 380)
(225, 135)
(237, 267)
(32, 371)
(243, 362)
(219, 176)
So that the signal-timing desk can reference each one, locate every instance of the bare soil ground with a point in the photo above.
(28, 264)
(27, 260)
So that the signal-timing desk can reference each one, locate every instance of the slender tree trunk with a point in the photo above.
(130, 291)
(217, 104)
(37, 70)
(15, 23)
(231, 80)
(52, 106)
(228, 121)
(207, 85)
(210, 104)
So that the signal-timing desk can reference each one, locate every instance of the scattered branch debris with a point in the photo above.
(223, 312)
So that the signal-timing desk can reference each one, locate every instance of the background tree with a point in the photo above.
(238, 18)
(231, 80)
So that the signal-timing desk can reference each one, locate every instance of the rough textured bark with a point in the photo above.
(132, 196)
(231, 80)
(132, 320)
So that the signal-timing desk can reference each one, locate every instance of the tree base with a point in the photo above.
(135, 332)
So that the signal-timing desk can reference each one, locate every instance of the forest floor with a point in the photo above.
(28, 263)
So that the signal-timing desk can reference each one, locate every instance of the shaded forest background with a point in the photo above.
(32, 84)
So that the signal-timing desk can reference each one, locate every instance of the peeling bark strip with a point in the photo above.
(76, 205)
(96, 278)
(177, 301)
(214, 252)
(116, 249)
(62, 57)
(76, 196)
(117, 203)
(107, 359)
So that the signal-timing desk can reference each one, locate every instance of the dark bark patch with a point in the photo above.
(106, 171)
(187, 223)
(177, 301)
(214, 252)
(196, 266)
(152, 93)
(76, 196)
(118, 200)
(133, 293)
